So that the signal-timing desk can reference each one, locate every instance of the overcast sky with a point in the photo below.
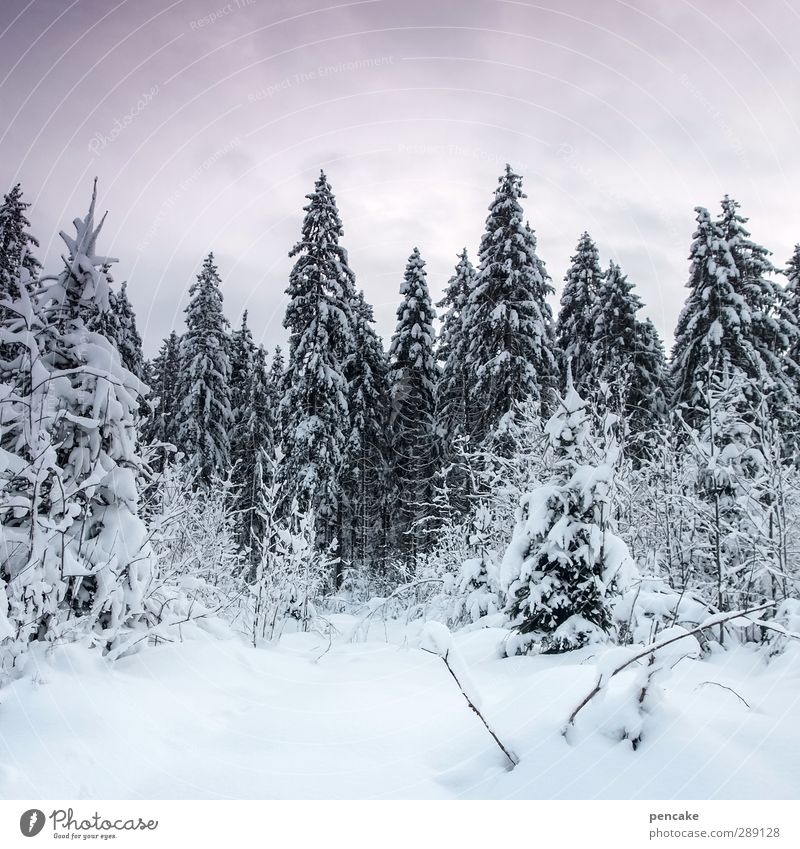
(207, 123)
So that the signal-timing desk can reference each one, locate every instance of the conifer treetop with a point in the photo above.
(511, 347)
(82, 261)
(15, 242)
(413, 341)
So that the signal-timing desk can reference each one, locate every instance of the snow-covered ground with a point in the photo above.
(215, 718)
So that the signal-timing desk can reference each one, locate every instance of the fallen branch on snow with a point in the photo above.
(439, 642)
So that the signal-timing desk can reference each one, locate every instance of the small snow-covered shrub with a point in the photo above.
(292, 573)
(194, 530)
(784, 627)
(630, 692)
(476, 592)
(564, 563)
(649, 605)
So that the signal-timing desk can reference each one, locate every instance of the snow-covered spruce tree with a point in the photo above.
(314, 410)
(75, 554)
(242, 353)
(243, 460)
(276, 377)
(204, 417)
(565, 562)
(792, 300)
(511, 352)
(771, 329)
(16, 252)
(454, 398)
(646, 406)
(613, 322)
(160, 424)
(16, 243)
(128, 341)
(413, 375)
(627, 356)
(455, 401)
(713, 336)
(574, 330)
(364, 478)
(255, 438)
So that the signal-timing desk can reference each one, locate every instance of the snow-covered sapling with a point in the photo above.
(564, 562)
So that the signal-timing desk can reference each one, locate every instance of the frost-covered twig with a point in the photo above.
(730, 689)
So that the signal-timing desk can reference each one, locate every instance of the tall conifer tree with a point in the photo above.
(204, 417)
(128, 340)
(16, 253)
(771, 330)
(454, 398)
(17, 245)
(413, 376)
(75, 554)
(713, 337)
(574, 331)
(255, 438)
(160, 424)
(511, 350)
(792, 300)
(365, 474)
(315, 413)
(242, 351)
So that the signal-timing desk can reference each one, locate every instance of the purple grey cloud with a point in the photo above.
(207, 121)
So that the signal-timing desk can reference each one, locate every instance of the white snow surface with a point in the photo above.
(215, 718)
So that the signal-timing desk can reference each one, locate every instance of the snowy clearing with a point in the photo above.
(215, 718)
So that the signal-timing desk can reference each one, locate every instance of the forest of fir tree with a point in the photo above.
(557, 476)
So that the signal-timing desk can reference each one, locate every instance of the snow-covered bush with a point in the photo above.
(630, 692)
(649, 606)
(193, 532)
(292, 572)
(783, 629)
(476, 591)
